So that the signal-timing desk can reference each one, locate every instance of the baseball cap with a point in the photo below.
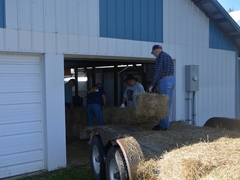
(157, 46)
(129, 77)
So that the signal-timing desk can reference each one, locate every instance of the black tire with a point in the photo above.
(116, 167)
(97, 158)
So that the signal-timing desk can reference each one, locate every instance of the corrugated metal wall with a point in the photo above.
(72, 27)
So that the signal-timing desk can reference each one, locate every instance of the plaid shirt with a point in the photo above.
(163, 67)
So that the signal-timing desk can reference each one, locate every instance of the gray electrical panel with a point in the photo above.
(192, 77)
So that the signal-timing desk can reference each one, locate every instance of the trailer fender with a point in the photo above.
(132, 153)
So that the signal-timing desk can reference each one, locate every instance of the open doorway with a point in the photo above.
(111, 74)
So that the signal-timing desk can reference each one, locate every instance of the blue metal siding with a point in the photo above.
(2, 14)
(144, 20)
(103, 18)
(159, 20)
(136, 20)
(151, 21)
(218, 40)
(120, 19)
(111, 18)
(128, 19)
(132, 19)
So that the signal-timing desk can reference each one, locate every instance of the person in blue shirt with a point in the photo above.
(68, 93)
(96, 99)
(165, 80)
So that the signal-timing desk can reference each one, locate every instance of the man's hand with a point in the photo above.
(150, 89)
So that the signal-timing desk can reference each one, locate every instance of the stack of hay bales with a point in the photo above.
(76, 121)
(150, 107)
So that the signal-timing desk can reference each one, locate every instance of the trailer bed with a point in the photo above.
(155, 143)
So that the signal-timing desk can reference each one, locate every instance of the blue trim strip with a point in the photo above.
(218, 40)
(140, 20)
(237, 87)
(2, 14)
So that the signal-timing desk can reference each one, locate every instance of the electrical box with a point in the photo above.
(192, 77)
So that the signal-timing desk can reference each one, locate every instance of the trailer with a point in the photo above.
(116, 150)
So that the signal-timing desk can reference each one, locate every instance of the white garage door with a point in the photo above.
(21, 136)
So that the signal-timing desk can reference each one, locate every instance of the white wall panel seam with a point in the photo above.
(18, 15)
(77, 17)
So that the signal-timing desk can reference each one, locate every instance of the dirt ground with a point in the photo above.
(78, 152)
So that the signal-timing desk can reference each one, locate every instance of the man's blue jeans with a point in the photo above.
(166, 86)
(94, 110)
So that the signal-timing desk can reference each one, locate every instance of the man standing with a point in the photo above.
(133, 88)
(68, 93)
(164, 78)
(96, 98)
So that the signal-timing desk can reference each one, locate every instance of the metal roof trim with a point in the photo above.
(225, 14)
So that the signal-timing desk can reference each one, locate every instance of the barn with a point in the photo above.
(40, 41)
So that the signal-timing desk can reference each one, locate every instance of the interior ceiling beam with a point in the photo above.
(73, 64)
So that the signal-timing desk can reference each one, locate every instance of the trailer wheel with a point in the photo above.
(97, 157)
(116, 167)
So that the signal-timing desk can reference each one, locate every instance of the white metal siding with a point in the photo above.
(79, 17)
(186, 39)
(72, 27)
(21, 137)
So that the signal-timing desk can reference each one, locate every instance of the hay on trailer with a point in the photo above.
(152, 106)
(191, 153)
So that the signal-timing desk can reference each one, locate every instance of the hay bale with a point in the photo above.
(76, 121)
(108, 114)
(152, 106)
(127, 116)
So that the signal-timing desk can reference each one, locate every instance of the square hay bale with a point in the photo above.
(152, 106)
(127, 116)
